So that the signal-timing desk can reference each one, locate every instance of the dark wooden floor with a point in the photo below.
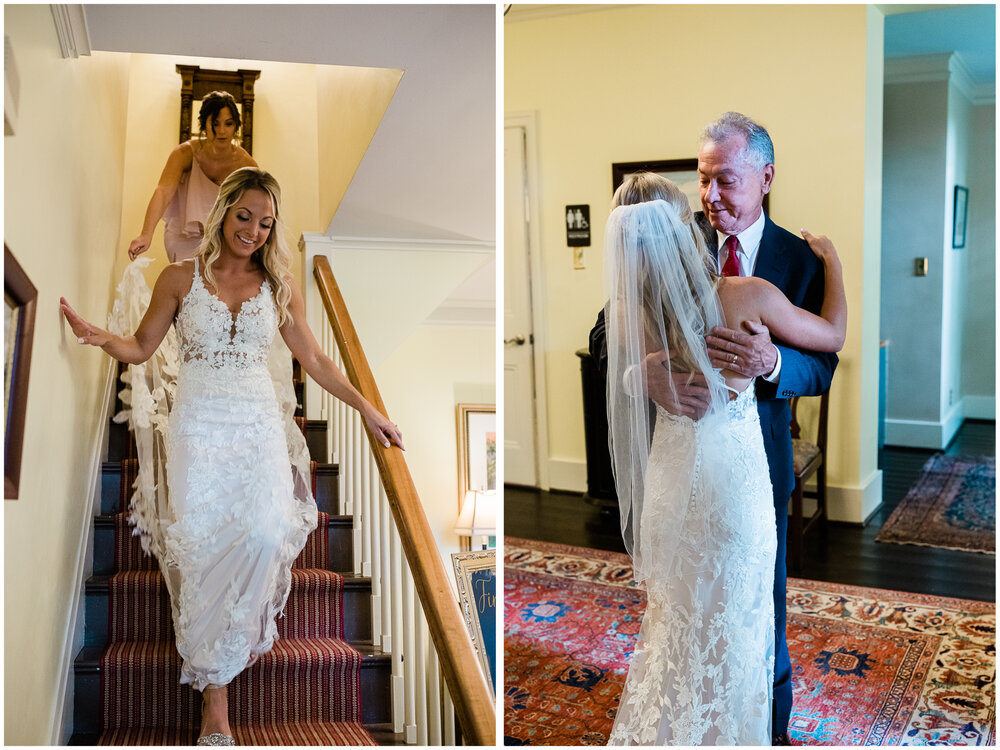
(840, 553)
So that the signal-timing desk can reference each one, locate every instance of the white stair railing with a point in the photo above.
(423, 705)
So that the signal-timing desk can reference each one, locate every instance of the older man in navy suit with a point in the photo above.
(735, 170)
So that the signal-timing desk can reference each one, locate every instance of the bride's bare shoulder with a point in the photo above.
(745, 287)
(177, 277)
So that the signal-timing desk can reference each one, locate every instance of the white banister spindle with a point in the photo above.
(357, 501)
(365, 475)
(396, 624)
(433, 697)
(388, 583)
(449, 719)
(420, 684)
(410, 615)
(375, 529)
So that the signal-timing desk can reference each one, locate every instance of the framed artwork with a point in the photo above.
(960, 216)
(683, 172)
(476, 574)
(19, 301)
(477, 448)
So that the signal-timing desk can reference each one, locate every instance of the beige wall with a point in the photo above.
(446, 365)
(62, 198)
(637, 83)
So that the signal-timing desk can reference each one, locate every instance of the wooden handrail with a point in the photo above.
(466, 681)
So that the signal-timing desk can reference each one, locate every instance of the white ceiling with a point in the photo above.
(430, 170)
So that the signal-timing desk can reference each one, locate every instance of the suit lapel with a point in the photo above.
(771, 265)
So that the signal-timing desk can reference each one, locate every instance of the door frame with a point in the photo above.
(536, 288)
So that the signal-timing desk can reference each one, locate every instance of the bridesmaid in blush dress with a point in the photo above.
(190, 180)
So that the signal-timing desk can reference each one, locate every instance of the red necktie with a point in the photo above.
(732, 266)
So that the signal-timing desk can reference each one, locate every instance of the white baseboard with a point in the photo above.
(568, 474)
(854, 504)
(980, 407)
(912, 433)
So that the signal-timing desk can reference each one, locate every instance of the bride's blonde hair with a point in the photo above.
(695, 263)
(273, 256)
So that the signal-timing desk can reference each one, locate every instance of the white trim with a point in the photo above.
(918, 68)
(71, 28)
(62, 712)
(529, 121)
(11, 88)
(376, 244)
(943, 66)
(568, 474)
(913, 433)
(979, 407)
(856, 503)
(463, 313)
(534, 12)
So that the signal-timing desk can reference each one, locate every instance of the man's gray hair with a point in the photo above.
(759, 151)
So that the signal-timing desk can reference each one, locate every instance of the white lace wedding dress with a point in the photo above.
(236, 507)
(701, 673)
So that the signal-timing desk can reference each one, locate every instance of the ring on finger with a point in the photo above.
(735, 357)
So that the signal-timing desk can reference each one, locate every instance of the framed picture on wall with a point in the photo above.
(477, 458)
(19, 301)
(960, 216)
(683, 172)
(477, 448)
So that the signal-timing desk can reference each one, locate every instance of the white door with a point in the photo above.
(520, 462)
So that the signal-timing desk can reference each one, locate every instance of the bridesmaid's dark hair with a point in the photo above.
(212, 104)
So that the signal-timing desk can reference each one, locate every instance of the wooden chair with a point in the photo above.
(809, 458)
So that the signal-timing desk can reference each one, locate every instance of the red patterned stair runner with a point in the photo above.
(305, 691)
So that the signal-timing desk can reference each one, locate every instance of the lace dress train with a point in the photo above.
(702, 669)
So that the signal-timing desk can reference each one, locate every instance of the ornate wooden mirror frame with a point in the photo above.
(196, 82)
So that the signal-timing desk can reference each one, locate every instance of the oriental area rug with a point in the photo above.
(870, 666)
(952, 505)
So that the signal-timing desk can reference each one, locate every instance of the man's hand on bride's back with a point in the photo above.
(670, 388)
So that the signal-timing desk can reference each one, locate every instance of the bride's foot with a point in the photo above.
(215, 717)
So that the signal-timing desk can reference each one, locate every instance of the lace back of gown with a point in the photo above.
(702, 670)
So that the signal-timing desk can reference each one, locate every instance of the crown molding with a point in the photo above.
(943, 66)
(519, 12)
(384, 244)
(71, 28)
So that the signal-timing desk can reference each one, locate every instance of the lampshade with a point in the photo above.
(479, 514)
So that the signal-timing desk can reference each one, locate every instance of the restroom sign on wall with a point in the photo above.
(578, 226)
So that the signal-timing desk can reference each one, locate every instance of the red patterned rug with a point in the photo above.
(870, 667)
(952, 505)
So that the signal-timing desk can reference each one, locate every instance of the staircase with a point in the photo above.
(323, 683)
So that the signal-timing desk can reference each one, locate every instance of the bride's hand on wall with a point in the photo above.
(85, 332)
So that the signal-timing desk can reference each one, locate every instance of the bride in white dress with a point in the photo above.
(237, 512)
(696, 503)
